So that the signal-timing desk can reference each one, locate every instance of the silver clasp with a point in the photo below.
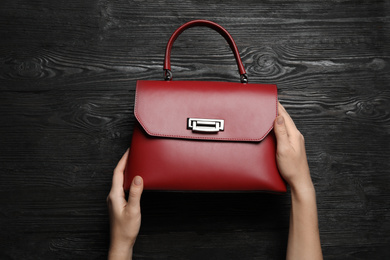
(205, 125)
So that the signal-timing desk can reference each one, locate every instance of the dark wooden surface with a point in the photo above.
(67, 77)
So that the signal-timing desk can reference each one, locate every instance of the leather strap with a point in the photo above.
(212, 25)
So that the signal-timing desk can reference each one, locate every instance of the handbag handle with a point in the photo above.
(167, 60)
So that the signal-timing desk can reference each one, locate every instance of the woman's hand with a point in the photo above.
(304, 239)
(125, 216)
(290, 153)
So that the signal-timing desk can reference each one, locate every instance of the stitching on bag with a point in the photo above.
(200, 137)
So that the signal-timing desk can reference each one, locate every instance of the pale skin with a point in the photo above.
(303, 240)
(125, 216)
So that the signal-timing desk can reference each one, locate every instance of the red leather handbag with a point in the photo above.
(201, 135)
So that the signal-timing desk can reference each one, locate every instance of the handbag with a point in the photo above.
(204, 135)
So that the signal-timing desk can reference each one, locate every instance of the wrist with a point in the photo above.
(120, 250)
(303, 192)
(301, 181)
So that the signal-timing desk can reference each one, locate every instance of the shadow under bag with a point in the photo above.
(204, 135)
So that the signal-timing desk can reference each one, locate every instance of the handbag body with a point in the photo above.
(204, 135)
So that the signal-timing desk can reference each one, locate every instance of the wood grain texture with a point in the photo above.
(68, 71)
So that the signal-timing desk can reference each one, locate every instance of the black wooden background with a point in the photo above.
(68, 71)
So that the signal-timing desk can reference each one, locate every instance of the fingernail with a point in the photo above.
(280, 120)
(137, 180)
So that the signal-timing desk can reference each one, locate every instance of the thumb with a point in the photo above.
(137, 186)
(280, 131)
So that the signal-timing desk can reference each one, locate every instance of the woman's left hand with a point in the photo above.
(125, 216)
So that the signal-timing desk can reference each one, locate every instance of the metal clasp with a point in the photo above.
(205, 125)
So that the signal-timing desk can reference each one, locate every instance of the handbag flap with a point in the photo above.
(246, 112)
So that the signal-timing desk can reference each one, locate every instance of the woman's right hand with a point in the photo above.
(304, 239)
(291, 153)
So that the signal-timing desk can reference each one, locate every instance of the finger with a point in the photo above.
(280, 132)
(136, 188)
(289, 123)
(117, 178)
